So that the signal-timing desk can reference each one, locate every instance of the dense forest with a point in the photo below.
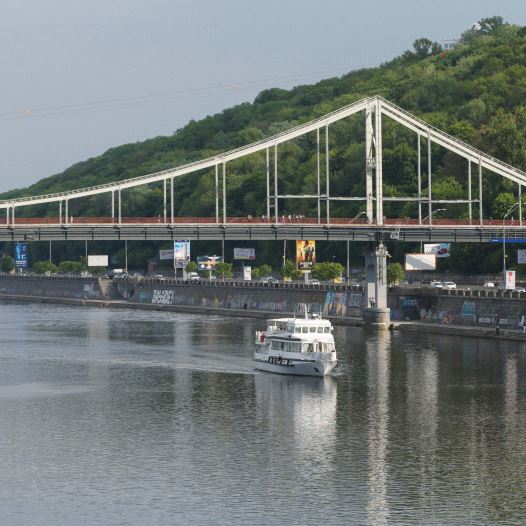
(475, 91)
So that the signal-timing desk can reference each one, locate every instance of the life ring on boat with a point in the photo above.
(262, 336)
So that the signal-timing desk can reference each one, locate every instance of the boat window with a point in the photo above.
(310, 347)
(327, 329)
(320, 329)
(312, 329)
(305, 329)
(297, 329)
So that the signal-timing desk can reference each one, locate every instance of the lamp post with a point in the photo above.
(504, 243)
(430, 222)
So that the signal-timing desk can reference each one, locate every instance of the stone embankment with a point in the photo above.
(468, 312)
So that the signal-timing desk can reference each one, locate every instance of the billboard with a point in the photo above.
(420, 262)
(245, 253)
(441, 250)
(21, 255)
(98, 261)
(181, 252)
(305, 254)
(166, 254)
(510, 280)
(208, 262)
(247, 273)
(521, 256)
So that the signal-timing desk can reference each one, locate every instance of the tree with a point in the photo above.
(501, 204)
(224, 270)
(487, 25)
(40, 267)
(289, 270)
(191, 267)
(422, 47)
(8, 264)
(326, 271)
(395, 273)
(265, 270)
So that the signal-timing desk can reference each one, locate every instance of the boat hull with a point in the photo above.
(299, 368)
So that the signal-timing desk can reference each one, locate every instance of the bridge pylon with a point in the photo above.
(376, 314)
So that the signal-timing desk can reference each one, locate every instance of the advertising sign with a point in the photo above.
(245, 253)
(510, 280)
(247, 273)
(521, 256)
(420, 262)
(441, 250)
(166, 254)
(98, 261)
(181, 252)
(21, 255)
(208, 262)
(305, 254)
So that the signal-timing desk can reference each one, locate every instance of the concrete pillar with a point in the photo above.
(376, 315)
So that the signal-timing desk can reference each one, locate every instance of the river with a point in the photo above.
(132, 417)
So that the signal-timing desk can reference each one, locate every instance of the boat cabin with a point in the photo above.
(299, 326)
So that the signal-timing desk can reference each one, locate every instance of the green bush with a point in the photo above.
(289, 270)
(40, 267)
(326, 271)
(8, 264)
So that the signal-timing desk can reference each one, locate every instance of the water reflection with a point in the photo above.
(156, 418)
(378, 362)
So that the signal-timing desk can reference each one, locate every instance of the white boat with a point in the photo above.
(301, 346)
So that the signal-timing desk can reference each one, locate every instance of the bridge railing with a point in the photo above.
(288, 219)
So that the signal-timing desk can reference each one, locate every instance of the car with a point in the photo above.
(268, 279)
(489, 284)
(519, 289)
(193, 276)
(314, 282)
(160, 277)
(436, 284)
(449, 285)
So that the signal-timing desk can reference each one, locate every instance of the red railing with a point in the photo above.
(256, 220)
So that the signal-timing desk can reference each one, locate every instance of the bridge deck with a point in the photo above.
(42, 229)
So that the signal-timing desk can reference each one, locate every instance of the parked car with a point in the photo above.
(159, 277)
(268, 279)
(449, 285)
(193, 276)
(519, 289)
(436, 284)
(314, 282)
(489, 285)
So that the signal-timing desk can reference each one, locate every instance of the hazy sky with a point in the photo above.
(79, 77)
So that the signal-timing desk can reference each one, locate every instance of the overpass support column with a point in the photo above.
(7, 216)
(172, 212)
(113, 204)
(60, 212)
(67, 212)
(379, 164)
(376, 314)
(164, 200)
(119, 205)
(369, 163)
(13, 215)
(481, 218)
(520, 204)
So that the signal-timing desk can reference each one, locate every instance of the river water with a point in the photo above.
(129, 417)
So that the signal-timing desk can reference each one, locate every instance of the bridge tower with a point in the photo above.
(376, 314)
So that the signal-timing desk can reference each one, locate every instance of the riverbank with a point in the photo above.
(400, 326)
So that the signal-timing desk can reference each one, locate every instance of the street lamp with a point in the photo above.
(434, 212)
(504, 242)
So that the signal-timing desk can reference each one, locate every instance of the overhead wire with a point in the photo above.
(119, 102)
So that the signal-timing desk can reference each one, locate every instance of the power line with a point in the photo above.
(118, 102)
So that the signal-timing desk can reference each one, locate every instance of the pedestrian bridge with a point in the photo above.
(371, 223)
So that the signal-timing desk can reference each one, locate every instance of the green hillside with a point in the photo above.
(476, 92)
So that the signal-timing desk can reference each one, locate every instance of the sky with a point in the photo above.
(78, 78)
